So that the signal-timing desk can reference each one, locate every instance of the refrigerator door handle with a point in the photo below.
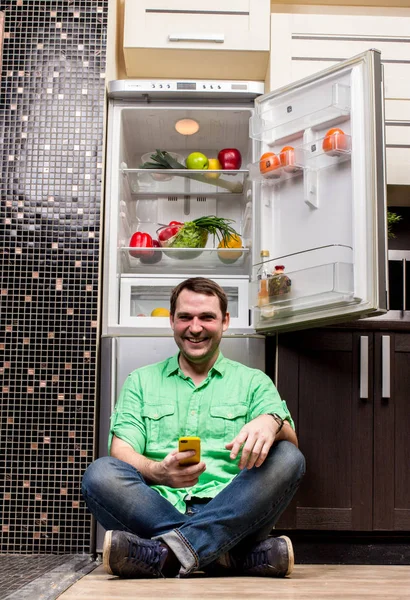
(404, 284)
(385, 366)
(216, 38)
(364, 367)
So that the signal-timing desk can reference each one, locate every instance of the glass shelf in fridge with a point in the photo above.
(185, 181)
(201, 261)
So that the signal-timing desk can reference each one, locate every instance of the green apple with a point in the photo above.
(196, 160)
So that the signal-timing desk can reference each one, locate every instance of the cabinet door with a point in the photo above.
(206, 37)
(391, 432)
(303, 44)
(320, 373)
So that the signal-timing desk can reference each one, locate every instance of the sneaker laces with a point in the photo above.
(149, 555)
(256, 558)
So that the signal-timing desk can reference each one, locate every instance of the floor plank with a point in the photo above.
(307, 582)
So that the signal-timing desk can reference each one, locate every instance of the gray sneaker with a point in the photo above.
(272, 557)
(127, 555)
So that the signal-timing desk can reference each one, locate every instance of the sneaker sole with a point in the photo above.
(106, 552)
(290, 552)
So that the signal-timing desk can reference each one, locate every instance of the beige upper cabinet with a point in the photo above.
(217, 39)
(303, 44)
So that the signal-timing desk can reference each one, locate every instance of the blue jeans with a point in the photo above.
(247, 509)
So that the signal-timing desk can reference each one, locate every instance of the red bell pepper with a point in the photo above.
(141, 240)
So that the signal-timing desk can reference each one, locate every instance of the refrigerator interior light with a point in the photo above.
(187, 126)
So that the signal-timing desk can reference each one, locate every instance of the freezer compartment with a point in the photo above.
(205, 262)
(143, 298)
(332, 104)
(302, 290)
(292, 162)
(184, 181)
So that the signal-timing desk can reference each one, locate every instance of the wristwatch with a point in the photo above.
(278, 420)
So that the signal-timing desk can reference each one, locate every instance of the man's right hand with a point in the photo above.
(170, 472)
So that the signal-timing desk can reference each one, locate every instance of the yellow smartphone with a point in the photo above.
(190, 443)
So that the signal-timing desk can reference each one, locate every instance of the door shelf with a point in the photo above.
(327, 284)
(284, 119)
(319, 154)
(211, 261)
(185, 182)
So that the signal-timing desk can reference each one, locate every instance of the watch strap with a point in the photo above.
(278, 420)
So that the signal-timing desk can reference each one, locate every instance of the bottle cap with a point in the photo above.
(265, 253)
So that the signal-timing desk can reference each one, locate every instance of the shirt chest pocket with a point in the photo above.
(226, 420)
(159, 422)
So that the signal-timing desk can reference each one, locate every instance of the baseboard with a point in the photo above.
(347, 548)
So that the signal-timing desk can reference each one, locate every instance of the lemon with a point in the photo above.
(213, 163)
(160, 312)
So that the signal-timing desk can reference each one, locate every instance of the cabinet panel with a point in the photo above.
(303, 44)
(334, 428)
(174, 38)
(391, 433)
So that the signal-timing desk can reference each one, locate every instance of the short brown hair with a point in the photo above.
(200, 285)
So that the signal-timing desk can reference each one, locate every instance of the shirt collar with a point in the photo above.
(173, 365)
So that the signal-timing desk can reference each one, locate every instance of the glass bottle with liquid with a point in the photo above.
(264, 276)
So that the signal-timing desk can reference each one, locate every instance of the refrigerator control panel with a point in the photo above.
(184, 88)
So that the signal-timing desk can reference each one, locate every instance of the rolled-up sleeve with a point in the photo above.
(126, 420)
(265, 398)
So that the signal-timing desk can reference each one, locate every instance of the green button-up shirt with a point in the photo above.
(158, 404)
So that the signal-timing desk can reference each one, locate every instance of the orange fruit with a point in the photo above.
(269, 164)
(335, 142)
(287, 159)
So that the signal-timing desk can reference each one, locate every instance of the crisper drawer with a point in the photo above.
(215, 30)
(143, 298)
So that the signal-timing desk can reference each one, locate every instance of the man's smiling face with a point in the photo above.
(198, 325)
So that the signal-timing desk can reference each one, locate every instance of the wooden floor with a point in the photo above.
(307, 582)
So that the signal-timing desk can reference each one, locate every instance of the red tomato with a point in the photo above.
(287, 159)
(269, 164)
(169, 232)
(335, 142)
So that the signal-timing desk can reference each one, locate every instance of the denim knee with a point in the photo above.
(295, 460)
(99, 476)
(289, 457)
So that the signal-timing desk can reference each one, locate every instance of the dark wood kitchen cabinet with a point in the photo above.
(349, 392)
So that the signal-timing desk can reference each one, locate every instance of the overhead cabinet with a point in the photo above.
(303, 44)
(211, 40)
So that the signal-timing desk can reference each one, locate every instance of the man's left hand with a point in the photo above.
(256, 437)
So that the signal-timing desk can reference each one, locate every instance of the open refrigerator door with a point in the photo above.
(320, 184)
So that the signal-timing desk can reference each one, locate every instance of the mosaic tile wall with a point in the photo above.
(51, 128)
